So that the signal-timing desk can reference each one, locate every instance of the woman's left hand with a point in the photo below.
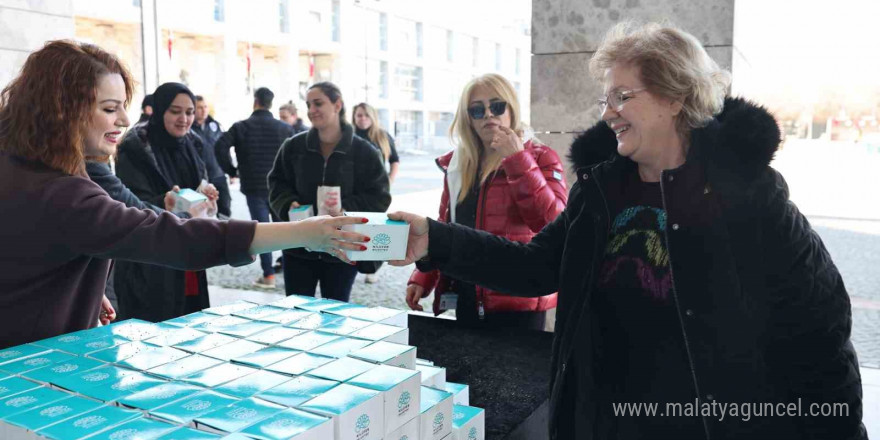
(211, 192)
(108, 313)
(506, 142)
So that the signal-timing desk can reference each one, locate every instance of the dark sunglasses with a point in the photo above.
(478, 110)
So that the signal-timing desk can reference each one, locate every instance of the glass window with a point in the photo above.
(383, 31)
(383, 79)
(136, 3)
(408, 81)
(517, 60)
(219, 10)
(407, 37)
(336, 13)
(450, 41)
(476, 52)
(283, 7)
(408, 127)
(419, 39)
(383, 121)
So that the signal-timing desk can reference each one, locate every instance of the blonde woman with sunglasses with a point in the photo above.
(496, 181)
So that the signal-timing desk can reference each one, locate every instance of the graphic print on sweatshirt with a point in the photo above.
(636, 257)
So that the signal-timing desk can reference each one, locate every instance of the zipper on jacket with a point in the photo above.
(687, 345)
(481, 210)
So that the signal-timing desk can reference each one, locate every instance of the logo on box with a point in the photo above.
(197, 405)
(125, 434)
(21, 401)
(403, 403)
(95, 377)
(362, 426)
(56, 411)
(472, 434)
(438, 422)
(89, 422)
(383, 239)
(242, 413)
(65, 368)
(36, 362)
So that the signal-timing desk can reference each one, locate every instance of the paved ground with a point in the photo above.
(830, 195)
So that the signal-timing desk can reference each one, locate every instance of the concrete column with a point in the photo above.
(150, 46)
(565, 34)
(25, 26)
(234, 86)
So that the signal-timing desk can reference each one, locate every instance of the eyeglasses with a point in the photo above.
(478, 110)
(617, 99)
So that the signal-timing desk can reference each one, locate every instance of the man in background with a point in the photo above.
(209, 130)
(287, 113)
(146, 109)
(256, 141)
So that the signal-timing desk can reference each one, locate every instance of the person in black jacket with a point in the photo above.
(685, 274)
(287, 113)
(366, 121)
(209, 130)
(327, 155)
(151, 161)
(99, 171)
(256, 141)
(146, 109)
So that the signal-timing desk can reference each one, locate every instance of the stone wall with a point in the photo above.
(565, 34)
(25, 25)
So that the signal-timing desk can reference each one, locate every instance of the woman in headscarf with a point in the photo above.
(152, 160)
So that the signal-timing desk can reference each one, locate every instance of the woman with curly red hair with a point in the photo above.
(59, 229)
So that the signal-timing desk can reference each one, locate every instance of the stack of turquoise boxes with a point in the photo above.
(299, 368)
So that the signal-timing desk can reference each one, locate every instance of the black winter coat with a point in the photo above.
(256, 141)
(209, 134)
(355, 166)
(145, 291)
(101, 174)
(764, 313)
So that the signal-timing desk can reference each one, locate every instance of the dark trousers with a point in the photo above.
(224, 203)
(301, 276)
(260, 212)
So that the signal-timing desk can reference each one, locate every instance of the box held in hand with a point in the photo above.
(186, 199)
(387, 237)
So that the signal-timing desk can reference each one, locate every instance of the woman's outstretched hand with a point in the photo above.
(417, 243)
(322, 234)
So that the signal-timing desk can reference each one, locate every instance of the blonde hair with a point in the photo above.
(469, 144)
(376, 134)
(672, 64)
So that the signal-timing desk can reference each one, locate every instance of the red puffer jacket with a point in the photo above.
(526, 193)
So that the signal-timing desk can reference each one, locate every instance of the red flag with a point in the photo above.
(249, 59)
(170, 42)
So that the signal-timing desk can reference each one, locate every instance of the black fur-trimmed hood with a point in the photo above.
(742, 139)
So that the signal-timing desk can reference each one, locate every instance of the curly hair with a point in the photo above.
(45, 111)
(672, 63)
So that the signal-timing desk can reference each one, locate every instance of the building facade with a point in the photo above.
(408, 59)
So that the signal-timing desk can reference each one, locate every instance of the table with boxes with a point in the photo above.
(299, 368)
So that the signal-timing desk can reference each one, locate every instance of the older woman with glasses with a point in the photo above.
(686, 276)
(500, 183)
